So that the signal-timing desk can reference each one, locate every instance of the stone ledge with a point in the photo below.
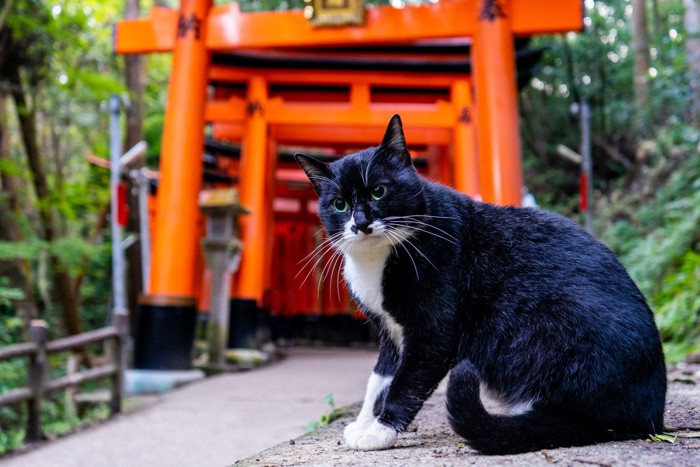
(432, 442)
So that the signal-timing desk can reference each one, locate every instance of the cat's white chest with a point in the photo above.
(364, 273)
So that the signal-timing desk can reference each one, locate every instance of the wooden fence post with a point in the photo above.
(121, 322)
(37, 379)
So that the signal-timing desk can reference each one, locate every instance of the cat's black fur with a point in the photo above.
(524, 301)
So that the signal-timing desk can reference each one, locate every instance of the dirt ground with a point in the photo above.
(433, 442)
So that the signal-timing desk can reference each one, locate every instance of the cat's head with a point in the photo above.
(364, 198)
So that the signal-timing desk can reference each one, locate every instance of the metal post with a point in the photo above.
(115, 146)
(587, 165)
(142, 183)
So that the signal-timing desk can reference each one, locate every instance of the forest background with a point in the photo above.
(637, 62)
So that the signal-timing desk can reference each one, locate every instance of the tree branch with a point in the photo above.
(5, 11)
(612, 152)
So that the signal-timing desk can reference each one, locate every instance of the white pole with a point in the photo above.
(143, 186)
(587, 165)
(115, 146)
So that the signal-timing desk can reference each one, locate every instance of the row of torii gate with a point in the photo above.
(270, 80)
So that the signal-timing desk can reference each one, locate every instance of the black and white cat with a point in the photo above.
(521, 306)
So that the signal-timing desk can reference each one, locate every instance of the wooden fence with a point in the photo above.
(38, 383)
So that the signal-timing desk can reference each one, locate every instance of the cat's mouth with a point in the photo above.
(375, 235)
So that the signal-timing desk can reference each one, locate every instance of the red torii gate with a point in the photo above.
(198, 29)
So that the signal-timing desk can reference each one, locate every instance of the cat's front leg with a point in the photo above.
(378, 382)
(398, 403)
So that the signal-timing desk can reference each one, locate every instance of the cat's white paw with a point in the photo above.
(370, 438)
(354, 428)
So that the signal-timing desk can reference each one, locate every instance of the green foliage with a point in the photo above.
(325, 418)
(8, 294)
(12, 375)
(677, 306)
(58, 415)
(657, 236)
(58, 420)
(597, 64)
(67, 68)
(271, 5)
(645, 163)
(155, 98)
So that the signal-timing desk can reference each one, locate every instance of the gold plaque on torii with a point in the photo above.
(322, 13)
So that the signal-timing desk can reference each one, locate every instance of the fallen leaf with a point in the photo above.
(663, 437)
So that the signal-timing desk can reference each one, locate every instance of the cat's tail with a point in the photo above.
(497, 434)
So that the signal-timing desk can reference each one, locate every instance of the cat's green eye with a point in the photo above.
(378, 191)
(339, 205)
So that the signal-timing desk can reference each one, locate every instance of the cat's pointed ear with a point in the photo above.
(316, 170)
(395, 141)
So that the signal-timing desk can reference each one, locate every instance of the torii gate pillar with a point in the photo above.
(167, 314)
(500, 165)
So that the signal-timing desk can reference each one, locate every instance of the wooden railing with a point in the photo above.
(38, 383)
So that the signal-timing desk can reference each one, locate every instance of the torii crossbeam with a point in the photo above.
(197, 29)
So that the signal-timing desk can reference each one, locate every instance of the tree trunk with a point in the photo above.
(62, 283)
(135, 81)
(135, 78)
(16, 270)
(692, 50)
(640, 45)
(657, 20)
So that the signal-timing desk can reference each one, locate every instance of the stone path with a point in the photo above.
(218, 420)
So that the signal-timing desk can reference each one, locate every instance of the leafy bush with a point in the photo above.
(658, 238)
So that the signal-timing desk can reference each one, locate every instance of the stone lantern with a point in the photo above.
(222, 253)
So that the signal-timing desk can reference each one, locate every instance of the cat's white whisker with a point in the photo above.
(322, 276)
(325, 243)
(320, 177)
(429, 216)
(421, 191)
(400, 243)
(330, 246)
(319, 252)
(418, 250)
(410, 219)
(412, 225)
(336, 264)
(313, 268)
(333, 263)
(365, 179)
(330, 265)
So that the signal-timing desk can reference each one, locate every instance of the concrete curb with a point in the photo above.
(433, 442)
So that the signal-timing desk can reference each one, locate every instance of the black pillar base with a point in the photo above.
(340, 330)
(165, 333)
(247, 324)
